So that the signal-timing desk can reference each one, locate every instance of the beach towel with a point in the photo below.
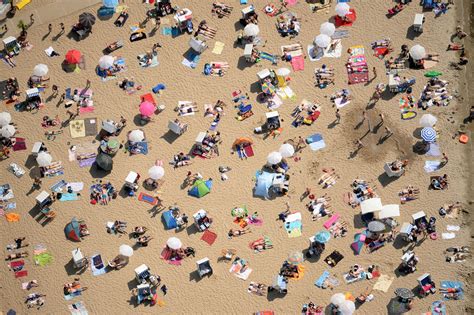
(275, 102)
(43, 259)
(314, 53)
(191, 60)
(166, 255)
(19, 145)
(316, 142)
(427, 64)
(86, 162)
(339, 103)
(12, 217)
(438, 308)
(167, 31)
(238, 269)
(72, 295)
(76, 186)
(297, 63)
(294, 229)
(431, 166)
(148, 97)
(448, 286)
(148, 199)
(153, 63)
(97, 265)
(87, 109)
(320, 281)
(333, 259)
(351, 279)
(78, 308)
(434, 150)
(329, 223)
(218, 47)
(209, 237)
(77, 128)
(383, 283)
(334, 53)
(339, 34)
(139, 148)
(21, 273)
(17, 265)
(69, 197)
(57, 187)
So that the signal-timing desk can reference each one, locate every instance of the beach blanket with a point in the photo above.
(139, 148)
(209, 237)
(438, 308)
(383, 283)
(339, 103)
(57, 187)
(69, 197)
(293, 225)
(166, 255)
(314, 53)
(336, 52)
(297, 63)
(20, 144)
(316, 142)
(333, 259)
(248, 151)
(153, 63)
(87, 109)
(431, 166)
(320, 281)
(78, 308)
(351, 279)
(218, 47)
(240, 269)
(72, 295)
(191, 60)
(97, 265)
(77, 128)
(452, 287)
(148, 199)
(87, 162)
(76, 186)
(434, 150)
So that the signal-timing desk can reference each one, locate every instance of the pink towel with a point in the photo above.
(297, 63)
(331, 221)
(88, 109)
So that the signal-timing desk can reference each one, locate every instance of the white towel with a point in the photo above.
(453, 228)
(431, 166)
(448, 236)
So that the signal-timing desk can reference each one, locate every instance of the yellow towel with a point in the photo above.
(218, 47)
(77, 128)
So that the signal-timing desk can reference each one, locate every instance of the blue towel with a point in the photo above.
(69, 197)
(453, 284)
(167, 30)
(320, 281)
(58, 186)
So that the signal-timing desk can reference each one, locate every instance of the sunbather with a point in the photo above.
(240, 232)
(18, 244)
(144, 240)
(139, 230)
(16, 256)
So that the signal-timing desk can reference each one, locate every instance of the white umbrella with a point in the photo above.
(417, 52)
(338, 298)
(136, 135)
(327, 28)
(322, 40)
(7, 131)
(342, 9)
(40, 70)
(347, 307)
(44, 159)
(5, 118)
(287, 150)
(274, 158)
(156, 172)
(251, 30)
(106, 61)
(125, 250)
(174, 243)
(283, 72)
(427, 120)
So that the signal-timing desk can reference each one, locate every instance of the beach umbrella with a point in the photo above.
(147, 108)
(156, 172)
(110, 3)
(268, 88)
(342, 9)
(107, 61)
(286, 150)
(5, 118)
(404, 293)
(126, 250)
(239, 212)
(136, 135)
(174, 243)
(376, 226)
(338, 298)
(104, 161)
(72, 230)
(327, 28)
(242, 141)
(428, 134)
(417, 52)
(283, 72)
(357, 247)
(322, 40)
(44, 159)
(87, 19)
(40, 70)
(347, 307)
(322, 237)
(295, 258)
(7, 131)
(113, 144)
(274, 158)
(73, 56)
(428, 120)
(251, 30)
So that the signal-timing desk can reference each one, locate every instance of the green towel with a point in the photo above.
(433, 73)
(43, 259)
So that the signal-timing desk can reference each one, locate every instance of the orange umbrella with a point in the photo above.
(240, 141)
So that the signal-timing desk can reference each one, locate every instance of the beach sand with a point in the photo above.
(223, 292)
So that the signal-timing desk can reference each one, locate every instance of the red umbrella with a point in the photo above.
(73, 56)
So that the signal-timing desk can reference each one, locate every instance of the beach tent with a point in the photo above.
(371, 205)
(200, 188)
(169, 220)
(72, 230)
(263, 184)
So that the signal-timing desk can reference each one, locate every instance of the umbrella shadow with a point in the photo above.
(97, 172)
(417, 133)
(358, 222)
(170, 137)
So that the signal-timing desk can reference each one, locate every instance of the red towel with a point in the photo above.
(88, 109)
(22, 273)
(18, 263)
(209, 237)
(148, 97)
(19, 145)
(351, 17)
(297, 63)
(248, 151)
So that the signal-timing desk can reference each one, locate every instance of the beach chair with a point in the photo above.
(201, 220)
(418, 23)
(79, 261)
(391, 173)
(427, 285)
(177, 127)
(142, 273)
(204, 267)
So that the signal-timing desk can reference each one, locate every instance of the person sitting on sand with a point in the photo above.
(16, 256)
(18, 244)
(460, 33)
(139, 230)
(144, 240)
(233, 233)
(366, 296)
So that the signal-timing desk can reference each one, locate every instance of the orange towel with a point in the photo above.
(12, 217)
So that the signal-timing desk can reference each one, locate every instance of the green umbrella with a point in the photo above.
(433, 73)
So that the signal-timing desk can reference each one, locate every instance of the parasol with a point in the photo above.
(338, 298)
(268, 88)
(417, 52)
(136, 135)
(428, 134)
(105, 62)
(110, 3)
(104, 161)
(40, 70)
(125, 250)
(327, 28)
(73, 56)
(428, 120)
(5, 118)
(342, 9)
(7, 131)
(322, 40)
(239, 212)
(295, 258)
(404, 293)
(322, 237)
(174, 243)
(87, 19)
(251, 30)
(376, 226)
(286, 150)
(274, 158)
(283, 72)
(347, 307)
(156, 172)
(147, 108)
(44, 159)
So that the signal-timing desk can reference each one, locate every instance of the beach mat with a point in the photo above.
(78, 308)
(90, 126)
(209, 237)
(218, 47)
(148, 199)
(69, 197)
(77, 128)
(21, 274)
(297, 63)
(383, 283)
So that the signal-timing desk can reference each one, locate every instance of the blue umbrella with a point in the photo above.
(322, 237)
(428, 134)
(110, 3)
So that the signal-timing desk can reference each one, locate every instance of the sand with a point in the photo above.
(223, 291)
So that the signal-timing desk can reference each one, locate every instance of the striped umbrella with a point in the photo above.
(428, 134)
(295, 258)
